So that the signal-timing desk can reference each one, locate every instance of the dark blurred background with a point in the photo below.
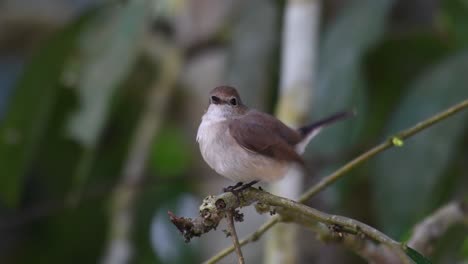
(100, 101)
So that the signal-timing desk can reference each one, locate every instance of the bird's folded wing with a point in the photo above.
(261, 139)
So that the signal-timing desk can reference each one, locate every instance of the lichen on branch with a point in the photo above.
(352, 233)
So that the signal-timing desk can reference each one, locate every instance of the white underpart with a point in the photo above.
(214, 114)
(222, 153)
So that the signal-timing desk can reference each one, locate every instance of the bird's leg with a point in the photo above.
(247, 185)
(238, 188)
(232, 187)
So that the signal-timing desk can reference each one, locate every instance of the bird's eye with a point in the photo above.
(233, 101)
(215, 99)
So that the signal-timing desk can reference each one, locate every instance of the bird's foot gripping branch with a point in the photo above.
(359, 237)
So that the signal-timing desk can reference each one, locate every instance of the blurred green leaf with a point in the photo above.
(30, 108)
(464, 249)
(454, 19)
(109, 49)
(447, 248)
(169, 154)
(63, 232)
(340, 84)
(416, 256)
(58, 156)
(404, 179)
(391, 66)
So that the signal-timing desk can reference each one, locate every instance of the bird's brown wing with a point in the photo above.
(269, 122)
(268, 138)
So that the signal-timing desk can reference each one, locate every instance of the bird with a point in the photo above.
(248, 146)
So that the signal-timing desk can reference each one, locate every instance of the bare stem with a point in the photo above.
(250, 238)
(233, 234)
(325, 182)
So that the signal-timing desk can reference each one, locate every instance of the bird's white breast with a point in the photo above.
(222, 153)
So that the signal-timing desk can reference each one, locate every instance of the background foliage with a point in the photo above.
(74, 81)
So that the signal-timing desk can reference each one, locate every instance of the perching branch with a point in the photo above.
(395, 140)
(328, 227)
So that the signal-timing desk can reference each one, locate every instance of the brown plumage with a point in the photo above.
(270, 138)
(244, 144)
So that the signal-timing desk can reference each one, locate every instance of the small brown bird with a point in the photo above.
(248, 146)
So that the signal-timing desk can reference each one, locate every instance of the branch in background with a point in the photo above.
(349, 232)
(325, 182)
(435, 225)
(119, 248)
(297, 86)
(396, 140)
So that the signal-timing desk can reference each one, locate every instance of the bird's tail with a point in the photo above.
(310, 131)
(306, 130)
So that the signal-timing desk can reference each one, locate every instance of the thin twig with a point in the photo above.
(233, 234)
(325, 182)
(251, 238)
